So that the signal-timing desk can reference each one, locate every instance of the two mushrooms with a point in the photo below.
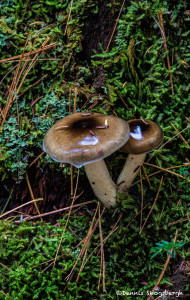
(85, 139)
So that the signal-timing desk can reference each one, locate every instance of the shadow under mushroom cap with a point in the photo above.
(83, 138)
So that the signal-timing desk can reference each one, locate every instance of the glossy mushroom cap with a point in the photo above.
(82, 138)
(145, 136)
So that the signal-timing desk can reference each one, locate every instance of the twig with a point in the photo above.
(102, 263)
(4, 294)
(14, 83)
(157, 172)
(5, 267)
(34, 102)
(161, 23)
(10, 211)
(33, 85)
(71, 176)
(152, 205)
(90, 96)
(179, 134)
(35, 23)
(136, 216)
(6, 202)
(178, 221)
(41, 154)
(122, 100)
(33, 52)
(75, 101)
(14, 90)
(88, 238)
(115, 26)
(115, 227)
(31, 193)
(8, 73)
(167, 170)
(55, 259)
(143, 168)
(70, 94)
(173, 137)
(141, 199)
(93, 105)
(57, 210)
(148, 50)
(40, 59)
(47, 267)
(86, 241)
(30, 66)
(68, 17)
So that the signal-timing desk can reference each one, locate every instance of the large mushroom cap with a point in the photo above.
(145, 136)
(83, 138)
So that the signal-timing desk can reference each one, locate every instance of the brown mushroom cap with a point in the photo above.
(83, 138)
(145, 136)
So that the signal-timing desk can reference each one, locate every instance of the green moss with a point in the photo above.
(27, 250)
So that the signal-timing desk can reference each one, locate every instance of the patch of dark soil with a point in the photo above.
(97, 30)
(96, 33)
(50, 185)
(179, 279)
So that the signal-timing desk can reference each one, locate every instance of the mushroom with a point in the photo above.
(145, 136)
(85, 139)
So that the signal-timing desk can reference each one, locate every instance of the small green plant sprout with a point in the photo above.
(167, 246)
(184, 171)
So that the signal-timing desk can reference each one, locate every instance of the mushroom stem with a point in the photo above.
(130, 170)
(103, 186)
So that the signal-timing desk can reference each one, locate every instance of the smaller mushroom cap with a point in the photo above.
(145, 136)
(82, 138)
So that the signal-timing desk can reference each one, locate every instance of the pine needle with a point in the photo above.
(74, 197)
(102, 263)
(161, 25)
(152, 205)
(141, 198)
(14, 209)
(179, 134)
(82, 252)
(31, 193)
(167, 170)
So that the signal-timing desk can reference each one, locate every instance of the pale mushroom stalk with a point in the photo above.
(145, 136)
(103, 186)
(130, 170)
